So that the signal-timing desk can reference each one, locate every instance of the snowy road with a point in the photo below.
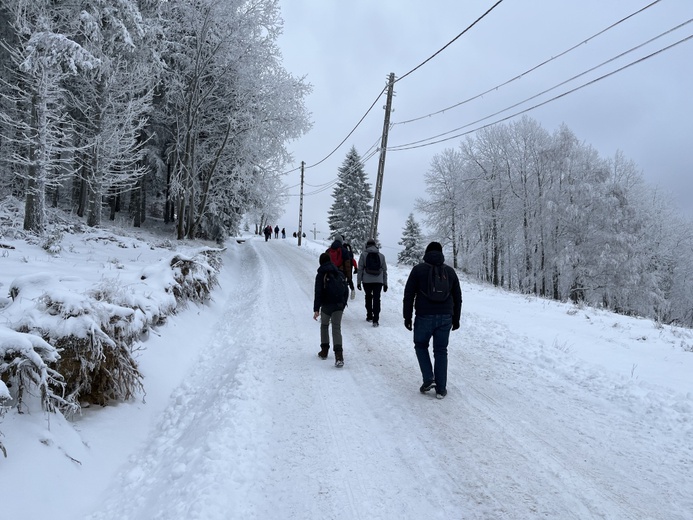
(261, 428)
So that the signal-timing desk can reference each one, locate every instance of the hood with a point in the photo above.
(434, 258)
(372, 249)
(329, 266)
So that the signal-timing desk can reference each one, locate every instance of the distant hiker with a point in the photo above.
(330, 299)
(283, 233)
(295, 235)
(372, 273)
(342, 258)
(276, 231)
(433, 290)
(268, 232)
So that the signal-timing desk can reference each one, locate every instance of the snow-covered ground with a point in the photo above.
(553, 411)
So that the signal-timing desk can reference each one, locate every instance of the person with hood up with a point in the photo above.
(342, 258)
(330, 299)
(372, 275)
(433, 291)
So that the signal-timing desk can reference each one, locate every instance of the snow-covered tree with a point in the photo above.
(351, 212)
(443, 208)
(38, 61)
(545, 214)
(112, 102)
(412, 241)
(231, 105)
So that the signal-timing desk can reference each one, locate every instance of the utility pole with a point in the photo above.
(300, 207)
(381, 162)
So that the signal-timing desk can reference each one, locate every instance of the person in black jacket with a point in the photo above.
(329, 306)
(435, 317)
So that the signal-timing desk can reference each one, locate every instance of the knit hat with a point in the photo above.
(370, 242)
(324, 258)
(339, 238)
(434, 246)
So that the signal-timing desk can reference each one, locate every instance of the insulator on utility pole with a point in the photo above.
(381, 162)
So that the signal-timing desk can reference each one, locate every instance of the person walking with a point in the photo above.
(330, 299)
(433, 291)
(342, 258)
(276, 231)
(372, 275)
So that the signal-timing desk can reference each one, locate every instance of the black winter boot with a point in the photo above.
(338, 356)
(324, 350)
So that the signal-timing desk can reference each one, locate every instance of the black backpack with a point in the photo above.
(439, 285)
(373, 265)
(349, 253)
(335, 288)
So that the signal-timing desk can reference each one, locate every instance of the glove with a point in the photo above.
(407, 324)
(384, 288)
(455, 325)
(356, 270)
(358, 287)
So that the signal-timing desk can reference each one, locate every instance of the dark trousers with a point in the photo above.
(438, 327)
(373, 299)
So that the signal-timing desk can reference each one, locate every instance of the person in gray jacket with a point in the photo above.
(372, 274)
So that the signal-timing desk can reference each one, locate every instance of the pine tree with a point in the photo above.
(412, 241)
(351, 212)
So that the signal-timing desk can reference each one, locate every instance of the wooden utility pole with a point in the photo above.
(381, 162)
(300, 207)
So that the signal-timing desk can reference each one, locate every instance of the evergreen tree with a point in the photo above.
(412, 241)
(351, 211)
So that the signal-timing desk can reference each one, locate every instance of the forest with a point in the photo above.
(136, 109)
(542, 213)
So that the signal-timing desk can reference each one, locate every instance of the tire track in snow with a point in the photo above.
(198, 462)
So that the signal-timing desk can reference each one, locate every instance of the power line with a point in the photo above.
(398, 79)
(528, 71)
(329, 184)
(413, 145)
(555, 86)
(450, 42)
(349, 134)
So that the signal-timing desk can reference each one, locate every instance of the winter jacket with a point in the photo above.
(337, 250)
(319, 298)
(363, 277)
(417, 284)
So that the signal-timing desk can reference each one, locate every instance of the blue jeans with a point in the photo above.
(438, 327)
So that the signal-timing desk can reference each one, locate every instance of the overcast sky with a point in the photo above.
(347, 49)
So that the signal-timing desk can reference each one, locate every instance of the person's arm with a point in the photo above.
(410, 289)
(317, 297)
(456, 300)
(359, 271)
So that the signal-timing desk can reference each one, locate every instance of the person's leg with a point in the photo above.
(422, 336)
(441, 336)
(377, 288)
(337, 337)
(337, 328)
(324, 329)
(368, 288)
